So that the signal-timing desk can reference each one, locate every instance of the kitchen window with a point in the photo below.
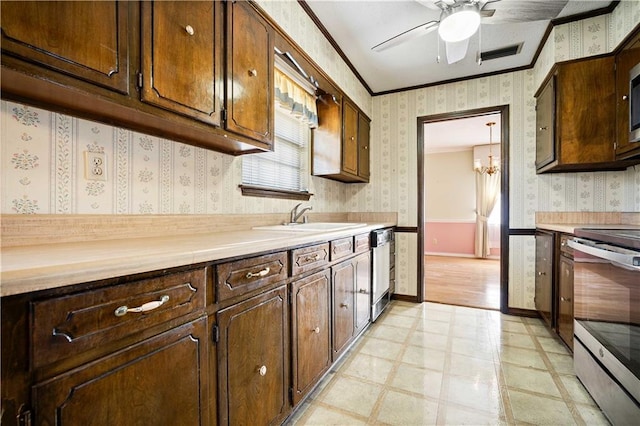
(284, 172)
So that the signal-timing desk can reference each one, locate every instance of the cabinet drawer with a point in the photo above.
(242, 276)
(361, 243)
(341, 248)
(66, 326)
(309, 258)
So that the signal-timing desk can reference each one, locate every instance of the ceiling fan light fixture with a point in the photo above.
(459, 23)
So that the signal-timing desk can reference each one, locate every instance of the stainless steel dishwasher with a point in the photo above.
(382, 245)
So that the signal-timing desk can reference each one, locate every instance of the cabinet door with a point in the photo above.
(253, 355)
(545, 125)
(93, 46)
(311, 334)
(544, 276)
(349, 138)
(625, 60)
(250, 58)
(343, 300)
(363, 147)
(565, 303)
(586, 111)
(362, 291)
(182, 57)
(159, 381)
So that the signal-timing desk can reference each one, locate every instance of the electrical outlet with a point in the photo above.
(95, 165)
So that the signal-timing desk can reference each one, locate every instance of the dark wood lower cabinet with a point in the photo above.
(159, 381)
(362, 291)
(76, 357)
(565, 300)
(545, 243)
(253, 366)
(343, 300)
(311, 331)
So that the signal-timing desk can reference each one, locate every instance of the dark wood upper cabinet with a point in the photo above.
(626, 59)
(577, 111)
(154, 67)
(250, 62)
(85, 39)
(363, 146)
(349, 138)
(545, 120)
(182, 57)
(341, 141)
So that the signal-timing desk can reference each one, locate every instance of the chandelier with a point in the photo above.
(493, 164)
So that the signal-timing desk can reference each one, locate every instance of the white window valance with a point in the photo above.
(294, 99)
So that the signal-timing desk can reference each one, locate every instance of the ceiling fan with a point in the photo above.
(460, 19)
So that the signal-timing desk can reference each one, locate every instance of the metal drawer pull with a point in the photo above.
(146, 307)
(262, 370)
(344, 305)
(312, 258)
(262, 273)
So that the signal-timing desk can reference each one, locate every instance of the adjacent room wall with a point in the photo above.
(450, 198)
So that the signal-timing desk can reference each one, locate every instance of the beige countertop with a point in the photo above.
(46, 266)
(569, 228)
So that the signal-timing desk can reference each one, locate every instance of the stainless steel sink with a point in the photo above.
(312, 226)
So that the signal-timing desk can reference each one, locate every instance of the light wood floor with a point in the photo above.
(463, 281)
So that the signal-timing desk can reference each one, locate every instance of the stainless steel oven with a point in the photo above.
(607, 319)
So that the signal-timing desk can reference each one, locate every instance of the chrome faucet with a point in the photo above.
(295, 214)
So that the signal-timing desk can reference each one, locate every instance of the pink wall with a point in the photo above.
(455, 238)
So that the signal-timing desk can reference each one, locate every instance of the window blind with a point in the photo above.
(287, 166)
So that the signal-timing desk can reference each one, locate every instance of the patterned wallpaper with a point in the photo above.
(394, 145)
(43, 172)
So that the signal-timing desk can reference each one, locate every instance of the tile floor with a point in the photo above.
(449, 365)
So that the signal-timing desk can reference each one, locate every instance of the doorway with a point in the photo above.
(456, 269)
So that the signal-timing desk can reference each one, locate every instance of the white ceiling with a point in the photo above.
(357, 26)
(461, 134)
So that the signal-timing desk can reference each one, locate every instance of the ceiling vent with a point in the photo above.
(501, 52)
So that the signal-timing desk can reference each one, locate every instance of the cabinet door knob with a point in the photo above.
(253, 72)
(543, 128)
(541, 273)
(316, 330)
(625, 97)
(146, 307)
(189, 29)
(363, 291)
(258, 274)
(565, 299)
(344, 305)
(262, 370)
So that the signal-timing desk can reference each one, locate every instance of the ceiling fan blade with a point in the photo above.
(524, 11)
(456, 51)
(418, 31)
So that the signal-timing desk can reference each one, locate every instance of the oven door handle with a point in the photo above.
(617, 258)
